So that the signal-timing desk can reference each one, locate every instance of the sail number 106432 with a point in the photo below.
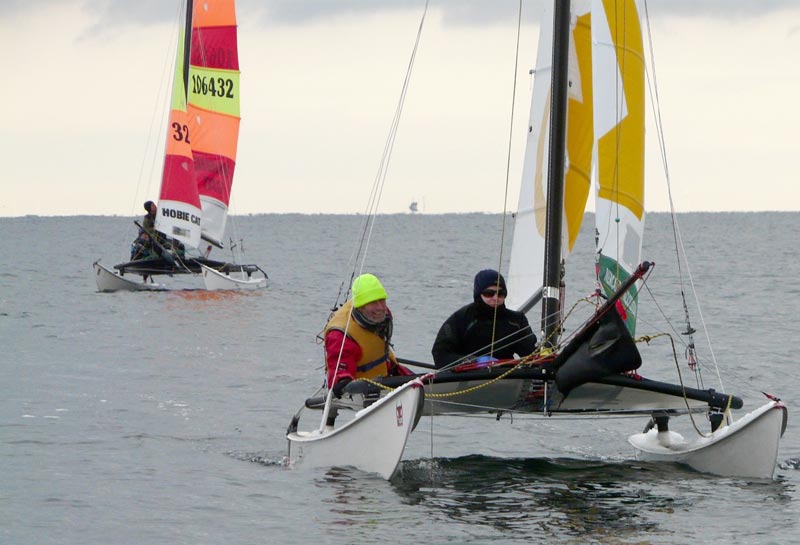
(218, 87)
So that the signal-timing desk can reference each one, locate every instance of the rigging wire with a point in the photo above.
(159, 113)
(376, 192)
(374, 203)
(680, 249)
(618, 97)
(508, 166)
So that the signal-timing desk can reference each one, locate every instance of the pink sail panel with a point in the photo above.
(218, 47)
(177, 169)
(214, 174)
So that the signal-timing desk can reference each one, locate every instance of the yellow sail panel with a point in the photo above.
(215, 90)
(580, 137)
(580, 132)
(621, 148)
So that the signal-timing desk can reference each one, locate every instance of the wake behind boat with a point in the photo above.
(190, 217)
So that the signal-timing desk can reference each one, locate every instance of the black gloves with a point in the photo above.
(339, 386)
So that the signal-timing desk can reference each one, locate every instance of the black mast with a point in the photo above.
(187, 44)
(555, 173)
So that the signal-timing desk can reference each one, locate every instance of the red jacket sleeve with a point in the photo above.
(351, 353)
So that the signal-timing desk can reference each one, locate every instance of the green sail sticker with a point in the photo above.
(612, 275)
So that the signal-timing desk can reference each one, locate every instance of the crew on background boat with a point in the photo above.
(142, 247)
(149, 220)
(485, 329)
(358, 337)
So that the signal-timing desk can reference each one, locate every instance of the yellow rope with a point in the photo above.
(474, 388)
(523, 361)
(648, 338)
(537, 356)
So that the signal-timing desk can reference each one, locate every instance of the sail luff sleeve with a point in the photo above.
(179, 209)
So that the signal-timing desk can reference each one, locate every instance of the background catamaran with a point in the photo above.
(587, 129)
(199, 162)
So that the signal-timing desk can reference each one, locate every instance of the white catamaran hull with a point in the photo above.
(373, 441)
(746, 448)
(108, 280)
(215, 280)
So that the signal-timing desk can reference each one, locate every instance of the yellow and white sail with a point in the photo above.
(527, 250)
(605, 146)
(618, 66)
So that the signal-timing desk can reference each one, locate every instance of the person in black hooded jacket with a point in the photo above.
(476, 330)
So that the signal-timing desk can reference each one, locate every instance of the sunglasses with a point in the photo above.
(492, 293)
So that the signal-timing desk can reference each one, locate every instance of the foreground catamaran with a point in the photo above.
(200, 158)
(588, 107)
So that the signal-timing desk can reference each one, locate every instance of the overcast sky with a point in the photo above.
(320, 81)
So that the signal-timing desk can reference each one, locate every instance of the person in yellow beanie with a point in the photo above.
(358, 337)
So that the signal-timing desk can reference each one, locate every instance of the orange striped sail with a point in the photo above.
(213, 109)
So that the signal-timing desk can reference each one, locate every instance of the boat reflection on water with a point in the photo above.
(578, 501)
(539, 496)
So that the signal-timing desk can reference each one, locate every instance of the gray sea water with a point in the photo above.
(159, 418)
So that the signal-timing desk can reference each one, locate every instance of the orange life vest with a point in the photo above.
(376, 354)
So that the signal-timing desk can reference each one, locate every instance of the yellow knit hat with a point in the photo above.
(366, 289)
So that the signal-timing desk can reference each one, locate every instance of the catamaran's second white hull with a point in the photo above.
(746, 448)
(108, 280)
(373, 441)
(215, 280)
